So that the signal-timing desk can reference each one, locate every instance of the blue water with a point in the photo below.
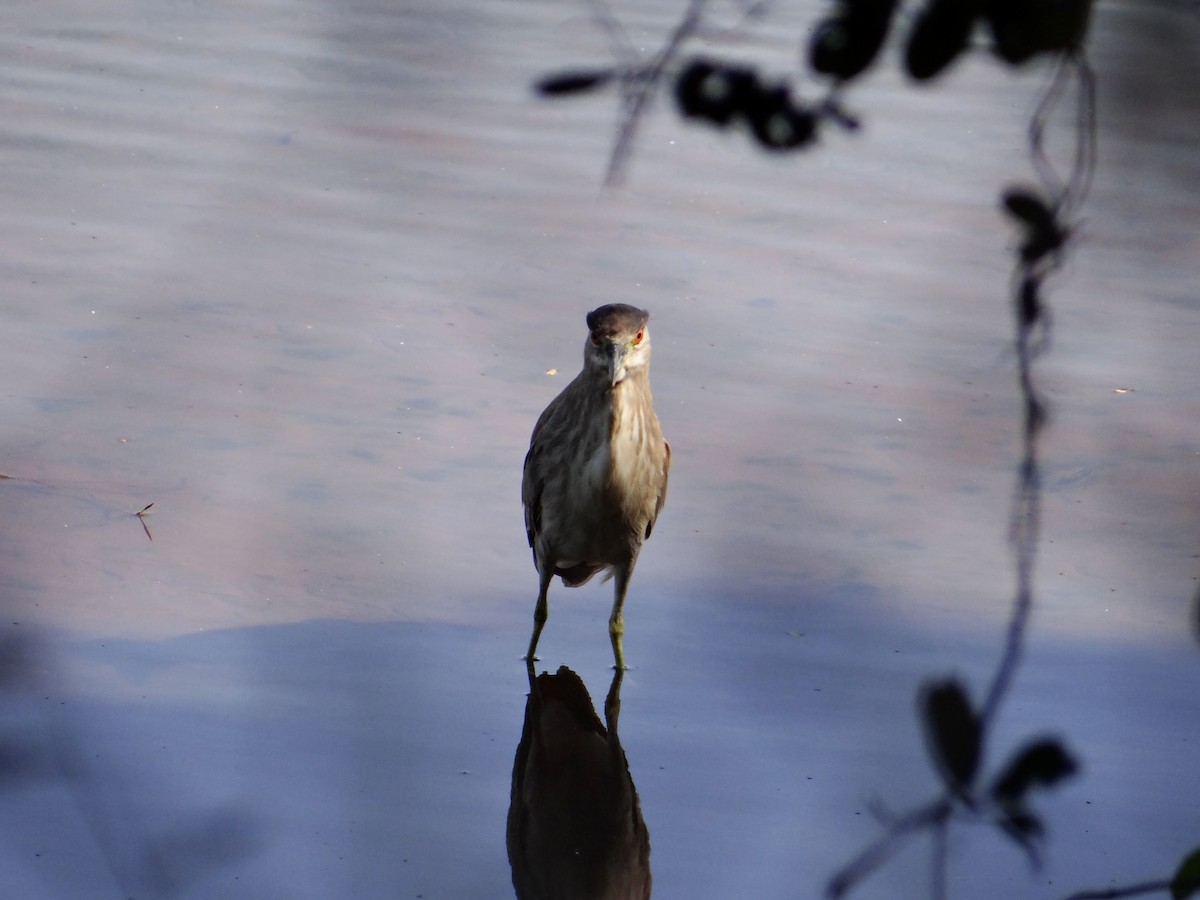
(297, 273)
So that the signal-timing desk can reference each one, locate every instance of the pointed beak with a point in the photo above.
(615, 353)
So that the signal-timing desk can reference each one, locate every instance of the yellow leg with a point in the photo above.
(541, 612)
(616, 622)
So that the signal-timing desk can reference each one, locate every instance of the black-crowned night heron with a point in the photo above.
(596, 472)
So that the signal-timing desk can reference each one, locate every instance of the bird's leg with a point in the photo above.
(616, 622)
(612, 703)
(531, 674)
(540, 612)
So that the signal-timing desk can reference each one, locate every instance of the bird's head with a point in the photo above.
(618, 342)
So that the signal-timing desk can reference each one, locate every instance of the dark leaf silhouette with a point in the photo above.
(724, 94)
(1028, 208)
(1021, 29)
(939, 36)
(1043, 234)
(777, 123)
(1043, 762)
(713, 91)
(952, 731)
(1186, 880)
(1041, 243)
(1014, 29)
(573, 81)
(847, 42)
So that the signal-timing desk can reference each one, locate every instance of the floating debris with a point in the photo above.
(141, 517)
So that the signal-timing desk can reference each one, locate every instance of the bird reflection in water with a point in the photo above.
(575, 827)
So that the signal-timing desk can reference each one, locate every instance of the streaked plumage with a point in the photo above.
(596, 472)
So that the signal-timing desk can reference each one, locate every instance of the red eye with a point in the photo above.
(638, 338)
(596, 338)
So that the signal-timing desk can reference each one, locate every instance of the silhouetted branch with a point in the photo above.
(618, 38)
(639, 85)
(887, 845)
(1025, 521)
(1068, 194)
(1133, 890)
(937, 875)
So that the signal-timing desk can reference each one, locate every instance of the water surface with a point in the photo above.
(296, 273)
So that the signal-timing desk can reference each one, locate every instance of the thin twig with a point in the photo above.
(937, 874)
(1025, 524)
(1080, 182)
(1067, 194)
(639, 85)
(1037, 128)
(887, 845)
(1132, 890)
(618, 38)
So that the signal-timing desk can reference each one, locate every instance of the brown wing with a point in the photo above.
(662, 493)
(531, 497)
(533, 482)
